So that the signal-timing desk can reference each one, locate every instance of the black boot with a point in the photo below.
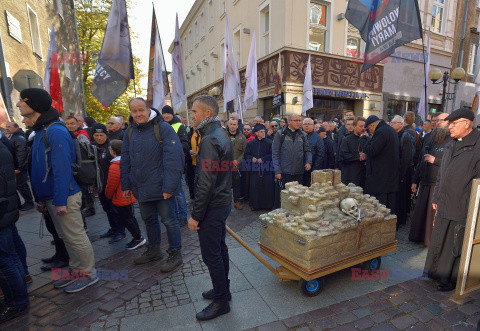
(209, 295)
(213, 310)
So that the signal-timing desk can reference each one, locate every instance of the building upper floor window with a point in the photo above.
(472, 59)
(438, 16)
(223, 7)
(211, 13)
(236, 46)
(355, 44)
(265, 30)
(34, 31)
(318, 26)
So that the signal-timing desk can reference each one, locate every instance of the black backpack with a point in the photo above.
(85, 170)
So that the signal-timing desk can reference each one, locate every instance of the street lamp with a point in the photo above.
(435, 75)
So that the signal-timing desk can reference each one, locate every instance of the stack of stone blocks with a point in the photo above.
(311, 230)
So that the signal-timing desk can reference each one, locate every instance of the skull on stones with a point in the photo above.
(349, 206)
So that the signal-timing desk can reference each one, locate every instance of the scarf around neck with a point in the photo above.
(208, 120)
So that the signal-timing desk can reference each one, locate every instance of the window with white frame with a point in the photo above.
(236, 46)
(355, 44)
(202, 23)
(66, 64)
(265, 30)
(318, 26)
(59, 7)
(34, 31)
(223, 7)
(211, 13)
(212, 64)
(472, 59)
(438, 15)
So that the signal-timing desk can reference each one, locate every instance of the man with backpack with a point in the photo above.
(54, 186)
(151, 165)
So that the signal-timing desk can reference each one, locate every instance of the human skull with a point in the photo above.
(349, 206)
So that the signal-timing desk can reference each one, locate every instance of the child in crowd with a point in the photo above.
(123, 205)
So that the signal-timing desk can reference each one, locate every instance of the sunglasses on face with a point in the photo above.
(247, 129)
(274, 126)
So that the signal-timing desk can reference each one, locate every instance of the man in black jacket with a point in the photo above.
(329, 160)
(19, 143)
(351, 162)
(460, 165)
(213, 199)
(12, 273)
(381, 150)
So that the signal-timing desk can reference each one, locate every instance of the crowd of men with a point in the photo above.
(416, 171)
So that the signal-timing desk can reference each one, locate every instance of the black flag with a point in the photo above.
(384, 25)
(115, 62)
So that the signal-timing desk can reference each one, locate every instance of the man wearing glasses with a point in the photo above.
(274, 127)
(460, 165)
(247, 132)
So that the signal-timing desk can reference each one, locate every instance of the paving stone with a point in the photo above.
(383, 327)
(49, 318)
(435, 309)
(131, 312)
(403, 322)
(171, 304)
(408, 307)
(401, 298)
(392, 312)
(111, 305)
(379, 317)
(184, 301)
(144, 305)
(361, 312)
(65, 318)
(362, 301)
(97, 326)
(469, 309)
(453, 316)
(379, 305)
(364, 323)
(46, 309)
(321, 313)
(438, 324)
(130, 294)
(322, 324)
(274, 326)
(146, 310)
(112, 322)
(89, 318)
(349, 327)
(295, 321)
(345, 318)
(423, 315)
(394, 290)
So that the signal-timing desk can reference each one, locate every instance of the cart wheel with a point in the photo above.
(312, 287)
(373, 264)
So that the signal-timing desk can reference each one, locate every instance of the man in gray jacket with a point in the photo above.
(291, 152)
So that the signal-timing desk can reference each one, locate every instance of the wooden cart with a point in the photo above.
(310, 281)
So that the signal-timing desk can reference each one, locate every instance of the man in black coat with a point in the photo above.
(351, 162)
(381, 150)
(460, 165)
(19, 143)
(329, 160)
(12, 272)
(316, 148)
(213, 202)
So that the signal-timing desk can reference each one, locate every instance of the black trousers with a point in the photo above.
(307, 178)
(116, 226)
(214, 250)
(87, 198)
(23, 188)
(190, 177)
(236, 186)
(389, 200)
(60, 249)
(245, 185)
(128, 220)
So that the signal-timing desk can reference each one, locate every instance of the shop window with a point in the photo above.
(265, 30)
(355, 44)
(399, 107)
(318, 27)
(35, 34)
(472, 61)
(438, 16)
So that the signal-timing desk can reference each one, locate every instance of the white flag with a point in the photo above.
(231, 76)
(158, 65)
(307, 89)
(251, 87)
(178, 82)
(423, 101)
(52, 51)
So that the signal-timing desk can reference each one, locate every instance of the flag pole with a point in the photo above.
(425, 76)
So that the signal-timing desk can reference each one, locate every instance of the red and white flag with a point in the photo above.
(51, 79)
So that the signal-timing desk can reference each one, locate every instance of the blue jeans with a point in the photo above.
(116, 225)
(181, 205)
(166, 209)
(12, 274)
(214, 250)
(20, 248)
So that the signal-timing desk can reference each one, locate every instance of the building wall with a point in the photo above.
(19, 56)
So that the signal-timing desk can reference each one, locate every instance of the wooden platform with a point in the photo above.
(289, 270)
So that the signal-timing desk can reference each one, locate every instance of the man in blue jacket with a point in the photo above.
(55, 188)
(151, 168)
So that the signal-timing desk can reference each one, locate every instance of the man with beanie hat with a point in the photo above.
(181, 130)
(460, 165)
(54, 186)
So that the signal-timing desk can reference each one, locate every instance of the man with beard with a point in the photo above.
(460, 165)
(426, 176)
(351, 161)
(317, 149)
(274, 129)
(259, 153)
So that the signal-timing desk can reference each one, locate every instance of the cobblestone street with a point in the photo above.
(149, 300)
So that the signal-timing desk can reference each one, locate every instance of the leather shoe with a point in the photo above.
(442, 287)
(209, 295)
(213, 310)
(55, 264)
(50, 259)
